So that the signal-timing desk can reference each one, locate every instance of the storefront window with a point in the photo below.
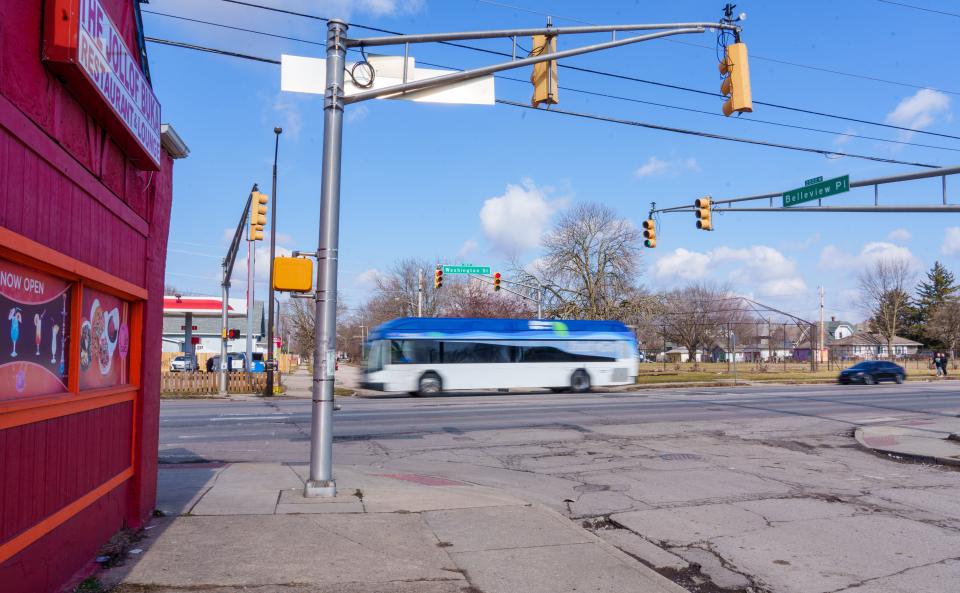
(104, 340)
(34, 346)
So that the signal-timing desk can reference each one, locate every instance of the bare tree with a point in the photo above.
(299, 323)
(699, 315)
(396, 289)
(884, 297)
(474, 298)
(590, 264)
(944, 325)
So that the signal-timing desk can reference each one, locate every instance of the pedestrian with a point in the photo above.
(943, 363)
(937, 363)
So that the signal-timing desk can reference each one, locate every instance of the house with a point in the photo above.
(870, 345)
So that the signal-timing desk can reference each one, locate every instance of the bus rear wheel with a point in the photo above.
(580, 381)
(429, 384)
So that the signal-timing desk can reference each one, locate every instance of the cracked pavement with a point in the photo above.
(756, 489)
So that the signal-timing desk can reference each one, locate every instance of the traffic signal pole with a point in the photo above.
(321, 482)
(227, 272)
(268, 390)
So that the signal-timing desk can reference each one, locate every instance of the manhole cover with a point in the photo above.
(680, 457)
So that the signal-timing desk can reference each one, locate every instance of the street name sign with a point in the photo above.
(466, 270)
(812, 181)
(816, 191)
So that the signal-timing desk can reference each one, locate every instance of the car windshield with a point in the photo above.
(178, 359)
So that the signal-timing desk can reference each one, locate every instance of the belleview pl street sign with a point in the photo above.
(816, 191)
(466, 270)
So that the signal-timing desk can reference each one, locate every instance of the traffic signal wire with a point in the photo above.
(753, 56)
(608, 74)
(591, 93)
(924, 9)
(639, 124)
(596, 117)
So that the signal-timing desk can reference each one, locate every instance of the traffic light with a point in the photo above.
(233, 334)
(544, 77)
(258, 215)
(649, 233)
(438, 277)
(736, 82)
(496, 282)
(702, 206)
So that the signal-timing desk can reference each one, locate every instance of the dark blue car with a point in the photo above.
(870, 372)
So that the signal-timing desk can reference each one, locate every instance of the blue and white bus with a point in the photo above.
(424, 355)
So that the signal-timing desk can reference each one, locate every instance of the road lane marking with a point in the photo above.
(233, 418)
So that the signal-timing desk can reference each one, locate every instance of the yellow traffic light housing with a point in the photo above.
(258, 215)
(702, 210)
(736, 84)
(650, 233)
(544, 77)
(438, 278)
(496, 282)
(292, 274)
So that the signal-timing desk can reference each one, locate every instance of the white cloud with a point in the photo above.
(656, 166)
(367, 279)
(919, 110)
(469, 246)
(688, 265)
(357, 113)
(845, 137)
(261, 261)
(782, 287)
(834, 258)
(760, 262)
(801, 243)
(899, 235)
(516, 221)
(951, 241)
(758, 268)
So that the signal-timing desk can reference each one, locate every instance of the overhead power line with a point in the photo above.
(824, 152)
(607, 74)
(593, 93)
(753, 56)
(924, 9)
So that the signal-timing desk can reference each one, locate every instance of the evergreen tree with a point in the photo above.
(938, 288)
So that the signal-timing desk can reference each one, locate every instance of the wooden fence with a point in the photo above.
(209, 383)
(285, 360)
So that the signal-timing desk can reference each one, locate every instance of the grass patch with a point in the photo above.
(343, 391)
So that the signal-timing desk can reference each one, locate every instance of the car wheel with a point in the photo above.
(430, 384)
(580, 381)
(898, 378)
(869, 380)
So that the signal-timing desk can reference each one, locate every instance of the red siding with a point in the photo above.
(65, 184)
(50, 464)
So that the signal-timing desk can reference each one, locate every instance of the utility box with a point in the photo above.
(293, 274)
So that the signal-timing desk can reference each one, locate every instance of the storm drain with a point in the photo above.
(680, 457)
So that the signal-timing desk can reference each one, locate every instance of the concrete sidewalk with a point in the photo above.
(246, 527)
(932, 439)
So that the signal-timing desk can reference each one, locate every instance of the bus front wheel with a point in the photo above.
(580, 381)
(429, 384)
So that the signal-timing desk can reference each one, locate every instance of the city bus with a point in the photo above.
(428, 355)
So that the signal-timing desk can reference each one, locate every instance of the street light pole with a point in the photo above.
(268, 391)
(321, 482)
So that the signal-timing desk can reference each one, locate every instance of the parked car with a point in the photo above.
(237, 362)
(185, 363)
(870, 372)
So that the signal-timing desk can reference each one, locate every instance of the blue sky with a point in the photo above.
(480, 184)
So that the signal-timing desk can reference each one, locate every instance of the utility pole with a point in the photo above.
(271, 363)
(820, 334)
(420, 292)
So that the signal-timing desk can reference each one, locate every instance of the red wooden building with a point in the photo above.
(85, 192)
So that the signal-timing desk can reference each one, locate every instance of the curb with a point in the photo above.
(927, 459)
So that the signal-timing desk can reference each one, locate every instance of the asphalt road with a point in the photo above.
(277, 430)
